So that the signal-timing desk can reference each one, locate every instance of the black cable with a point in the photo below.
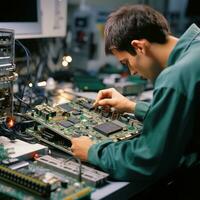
(28, 57)
(19, 129)
(30, 105)
(80, 169)
(22, 101)
(43, 97)
(13, 134)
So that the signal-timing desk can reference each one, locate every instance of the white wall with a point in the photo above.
(108, 5)
(112, 4)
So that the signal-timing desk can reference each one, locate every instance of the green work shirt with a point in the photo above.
(169, 122)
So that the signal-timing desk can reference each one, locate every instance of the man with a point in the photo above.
(139, 38)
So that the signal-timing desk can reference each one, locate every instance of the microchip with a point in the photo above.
(86, 105)
(117, 122)
(76, 112)
(107, 128)
(66, 107)
(73, 120)
(66, 124)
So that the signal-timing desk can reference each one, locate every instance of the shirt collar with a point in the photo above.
(183, 43)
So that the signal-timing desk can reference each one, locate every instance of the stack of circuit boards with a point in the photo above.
(56, 126)
(49, 178)
(46, 177)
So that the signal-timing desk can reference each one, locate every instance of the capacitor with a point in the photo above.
(64, 183)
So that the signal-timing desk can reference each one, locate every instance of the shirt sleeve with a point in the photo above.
(159, 148)
(141, 109)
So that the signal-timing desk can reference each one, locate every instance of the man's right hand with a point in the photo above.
(112, 98)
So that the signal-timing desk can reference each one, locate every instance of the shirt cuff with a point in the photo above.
(141, 109)
(95, 151)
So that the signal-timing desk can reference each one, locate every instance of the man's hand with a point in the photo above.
(112, 98)
(80, 147)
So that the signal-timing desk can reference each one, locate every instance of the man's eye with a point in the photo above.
(124, 64)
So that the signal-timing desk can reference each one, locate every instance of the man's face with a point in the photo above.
(141, 64)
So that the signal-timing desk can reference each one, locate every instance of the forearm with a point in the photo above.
(123, 160)
(148, 156)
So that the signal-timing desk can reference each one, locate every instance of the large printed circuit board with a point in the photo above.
(57, 125)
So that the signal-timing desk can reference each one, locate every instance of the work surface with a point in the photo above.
(50, 171)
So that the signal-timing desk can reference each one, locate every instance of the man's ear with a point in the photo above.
(140, 46)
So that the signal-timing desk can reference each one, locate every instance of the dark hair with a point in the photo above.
(134, 22)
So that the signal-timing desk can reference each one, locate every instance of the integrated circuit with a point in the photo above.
(117, 122)
(107, 128)
(66, 124)
(86, 105)
(74, 120)
(76, 112)
(66, 107)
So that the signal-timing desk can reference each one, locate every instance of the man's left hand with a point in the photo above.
(80, 147)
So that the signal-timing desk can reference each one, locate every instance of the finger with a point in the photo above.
(107, 93)
(73, 140)
(104, 93)
(72, 148)
(99, 96)
(106, 102)
(77, 138)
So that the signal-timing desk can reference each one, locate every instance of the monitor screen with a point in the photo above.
(192, 8)
(23, 16)
(34, 18)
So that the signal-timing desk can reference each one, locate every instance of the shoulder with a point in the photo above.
(183, 75)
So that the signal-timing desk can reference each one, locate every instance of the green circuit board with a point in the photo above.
(57, 125)
(36, 182)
